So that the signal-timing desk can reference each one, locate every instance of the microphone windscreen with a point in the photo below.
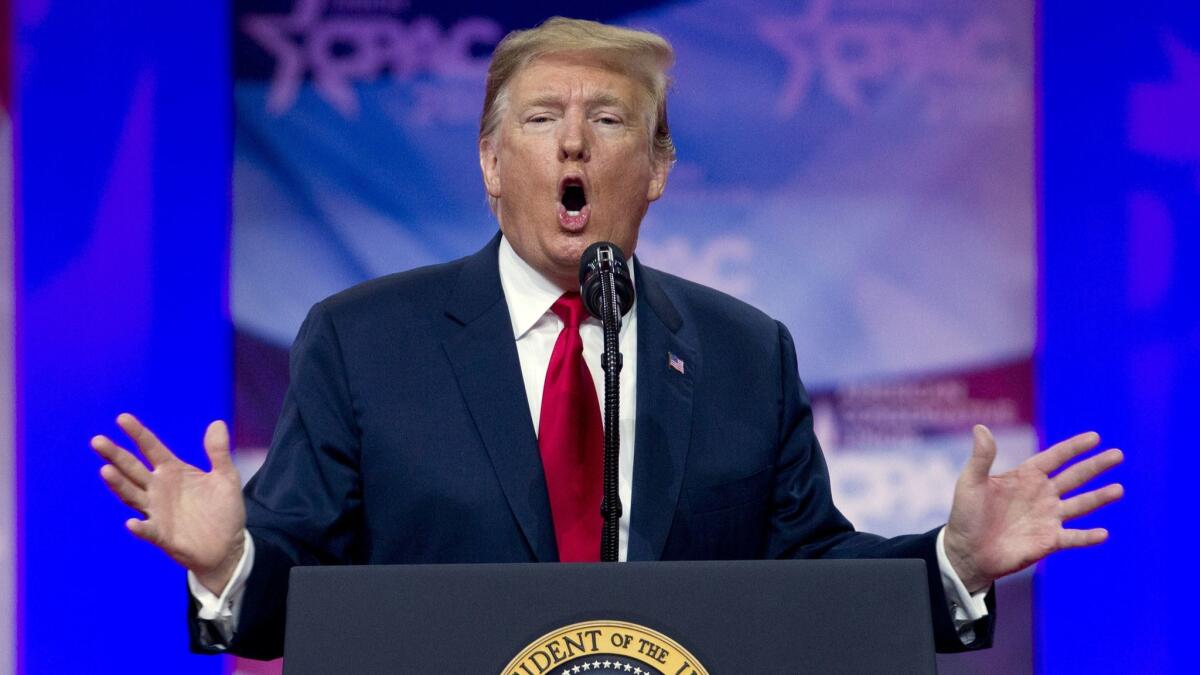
(599, 257)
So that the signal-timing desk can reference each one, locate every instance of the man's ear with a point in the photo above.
(658, 179)
(489, 165)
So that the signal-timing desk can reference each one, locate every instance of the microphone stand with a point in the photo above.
(611, 361)
(608, 293)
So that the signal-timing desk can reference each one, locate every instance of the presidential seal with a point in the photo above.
(604, 648)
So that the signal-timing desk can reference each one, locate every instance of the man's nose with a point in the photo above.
(574, 143)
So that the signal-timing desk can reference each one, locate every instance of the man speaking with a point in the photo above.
(450, 413)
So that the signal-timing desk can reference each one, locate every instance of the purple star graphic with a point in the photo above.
(794, 39)
(275, 33)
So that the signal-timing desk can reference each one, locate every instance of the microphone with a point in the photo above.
(607, 293)
(599, 259)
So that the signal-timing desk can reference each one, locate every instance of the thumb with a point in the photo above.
(983, 453)
(216, 446)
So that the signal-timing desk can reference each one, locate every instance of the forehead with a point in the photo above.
(568, 76)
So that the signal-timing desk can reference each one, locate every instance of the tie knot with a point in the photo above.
(570, 309)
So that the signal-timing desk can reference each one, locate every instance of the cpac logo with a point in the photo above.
(854, 56)
(341, 48)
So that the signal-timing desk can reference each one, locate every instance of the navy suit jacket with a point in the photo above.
(405, 437)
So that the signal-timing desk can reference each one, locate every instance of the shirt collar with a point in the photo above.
(528, 293)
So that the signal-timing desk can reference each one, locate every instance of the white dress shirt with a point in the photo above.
(535, 330)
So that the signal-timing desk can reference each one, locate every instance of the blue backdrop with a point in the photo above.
(123, 156)
(1120, 344)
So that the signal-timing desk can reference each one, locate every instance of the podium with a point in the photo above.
(640, 618)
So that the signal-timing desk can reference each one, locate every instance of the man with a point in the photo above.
(449, 414)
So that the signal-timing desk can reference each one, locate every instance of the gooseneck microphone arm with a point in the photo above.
(607, 293)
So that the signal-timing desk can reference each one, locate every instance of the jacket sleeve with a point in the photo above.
(303, 507)
(806, 524)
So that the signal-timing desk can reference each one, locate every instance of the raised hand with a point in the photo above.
(1001, 524)
(195, 517)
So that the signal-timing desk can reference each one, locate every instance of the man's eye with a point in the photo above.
(608, 121)
(539, 119)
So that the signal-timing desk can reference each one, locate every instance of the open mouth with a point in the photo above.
(573, 208)
(574, 198)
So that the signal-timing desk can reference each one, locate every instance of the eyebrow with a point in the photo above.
(597, 101)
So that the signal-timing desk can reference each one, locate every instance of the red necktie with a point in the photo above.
(571, 439)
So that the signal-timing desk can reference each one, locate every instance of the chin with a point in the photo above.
(567, 262)
(570, 246)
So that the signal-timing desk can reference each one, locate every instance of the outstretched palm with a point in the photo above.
(1001, 524)
(196, 517)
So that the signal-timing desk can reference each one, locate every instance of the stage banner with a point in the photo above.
(862, 170)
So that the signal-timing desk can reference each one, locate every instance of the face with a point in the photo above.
(570, 163)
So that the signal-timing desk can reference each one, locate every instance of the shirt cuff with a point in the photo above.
(965, 607)
(223, 610)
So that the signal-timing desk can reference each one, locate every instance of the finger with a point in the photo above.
(216, 446)
(1081, 538)
(1081, 505)
(1081, 472)
(153, 449)
(983, 453)
(142, 529)
(1058, 454)
(133, 496)
(122, 459)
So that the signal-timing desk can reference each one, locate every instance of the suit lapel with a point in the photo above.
(484, 357)
(664, 416)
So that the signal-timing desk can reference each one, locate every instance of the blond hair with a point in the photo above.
(642, 55)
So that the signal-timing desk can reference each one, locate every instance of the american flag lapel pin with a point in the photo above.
(675, 363)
